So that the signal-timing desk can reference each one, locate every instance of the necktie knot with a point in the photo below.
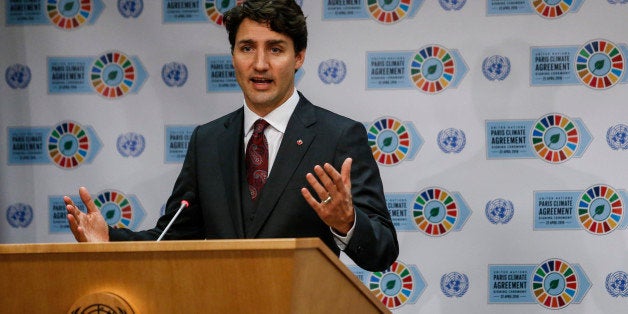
(259, 126)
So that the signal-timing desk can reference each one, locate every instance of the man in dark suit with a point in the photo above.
(249, 174)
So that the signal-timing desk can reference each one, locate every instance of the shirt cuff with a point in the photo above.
(342, 241)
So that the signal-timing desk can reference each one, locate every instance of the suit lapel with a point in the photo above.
(229, 143)
(294, 145)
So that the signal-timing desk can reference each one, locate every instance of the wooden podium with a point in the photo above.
(218, 276)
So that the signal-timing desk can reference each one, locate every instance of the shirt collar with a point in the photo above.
(277, 118)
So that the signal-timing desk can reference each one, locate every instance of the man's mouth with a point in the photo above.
(261, 80)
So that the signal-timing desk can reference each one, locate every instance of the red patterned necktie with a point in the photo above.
(257, 159)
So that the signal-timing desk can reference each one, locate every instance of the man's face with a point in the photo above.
(264, 63)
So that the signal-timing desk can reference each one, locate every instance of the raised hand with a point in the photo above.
(333, 189)
(90, 227)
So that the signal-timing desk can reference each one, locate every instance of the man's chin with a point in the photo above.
(262, 100)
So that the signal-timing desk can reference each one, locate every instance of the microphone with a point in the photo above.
(184, 204)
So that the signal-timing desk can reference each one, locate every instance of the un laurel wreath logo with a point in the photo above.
(174, 74)
(130, 8)
(130, 144)
(496, 68)
(617, 136)
(617, 284)
(18, 76)
(454, 284)
(451, 140)
(452, 5)
(499, 211)
(20, 215)
(332, 71)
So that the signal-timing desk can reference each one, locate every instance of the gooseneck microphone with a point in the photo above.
(184, 203)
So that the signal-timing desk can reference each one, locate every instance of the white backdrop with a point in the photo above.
(470, 31)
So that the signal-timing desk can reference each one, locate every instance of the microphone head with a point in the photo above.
(187, 197)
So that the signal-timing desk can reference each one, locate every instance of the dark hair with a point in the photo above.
(282, 16)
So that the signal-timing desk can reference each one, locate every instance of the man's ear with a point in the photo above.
(299, 58)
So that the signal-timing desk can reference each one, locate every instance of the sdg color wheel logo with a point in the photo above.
(554, 284)
(68, 144)
(600, 64)
(116, 208)
(435, 211)
(432, 69)
(394, 286)
(215, 9)
(388, 11)
(390, 141)
(69, 14)
(600, 209)
(113, 74)
(555, 138)
(552, 8)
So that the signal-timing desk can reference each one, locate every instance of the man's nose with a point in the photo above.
(261, 60)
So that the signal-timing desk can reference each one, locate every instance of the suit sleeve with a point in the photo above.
(188, 224)
(374, 245)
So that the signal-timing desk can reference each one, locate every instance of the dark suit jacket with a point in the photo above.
(314, 136)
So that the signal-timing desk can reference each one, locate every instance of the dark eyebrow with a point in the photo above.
(277, 42)
(246, 42)
(270, 42)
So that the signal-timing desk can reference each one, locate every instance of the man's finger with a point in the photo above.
(335, 176)
(345, 172)
(76, 230)
(324, 176)
(70, 206)
(87, 200)
(309, 198)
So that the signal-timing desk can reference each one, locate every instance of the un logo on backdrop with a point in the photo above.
(332, 71)
(617, 284)
(174, 74)
(496, 68)
(452, 5)
(617, 136)
(130, 8)
(454, 284)
(451, 140)
(19, 215)
(499, 211)
(18, 76)
(130, 144)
